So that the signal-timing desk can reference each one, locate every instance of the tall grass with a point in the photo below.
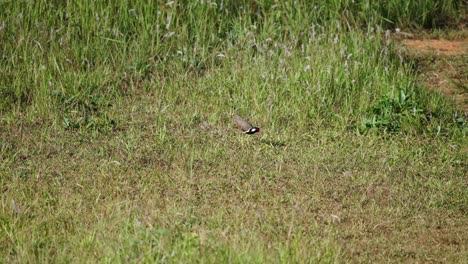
(77, 57)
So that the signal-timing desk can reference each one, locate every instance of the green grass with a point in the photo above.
(103, 158)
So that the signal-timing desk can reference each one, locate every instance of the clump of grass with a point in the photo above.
(389, 113)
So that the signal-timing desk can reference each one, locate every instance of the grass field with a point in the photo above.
(103, 158)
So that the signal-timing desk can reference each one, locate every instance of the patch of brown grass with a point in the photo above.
(363, 200)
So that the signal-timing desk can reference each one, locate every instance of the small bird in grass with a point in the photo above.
(245, 126)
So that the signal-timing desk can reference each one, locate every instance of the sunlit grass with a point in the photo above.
(103, 157)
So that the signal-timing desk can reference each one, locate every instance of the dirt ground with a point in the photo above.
(439, 47)
(442, 65)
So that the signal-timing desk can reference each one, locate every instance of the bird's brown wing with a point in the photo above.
(241, 123)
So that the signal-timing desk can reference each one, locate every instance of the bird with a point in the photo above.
(245, 126)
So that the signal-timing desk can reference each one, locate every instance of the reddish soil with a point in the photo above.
(442, 66)
(439, 47)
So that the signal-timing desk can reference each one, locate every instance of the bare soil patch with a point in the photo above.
(442, 67)
(439, 47)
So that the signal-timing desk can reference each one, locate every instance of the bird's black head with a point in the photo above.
(253, 130)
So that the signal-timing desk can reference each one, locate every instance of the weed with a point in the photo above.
(389, 113)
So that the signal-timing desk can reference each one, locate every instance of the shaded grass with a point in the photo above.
(103, 159)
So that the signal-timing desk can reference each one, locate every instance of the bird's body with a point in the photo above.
(245, 126)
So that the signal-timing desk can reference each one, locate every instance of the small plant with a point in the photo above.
(388, 113)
